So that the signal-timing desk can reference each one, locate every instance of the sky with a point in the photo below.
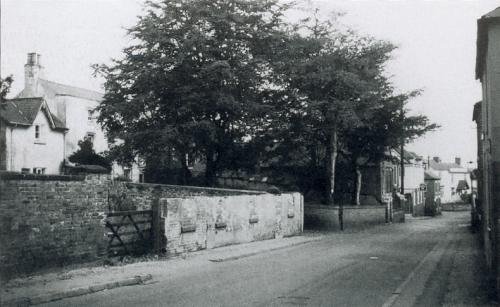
(435, 38)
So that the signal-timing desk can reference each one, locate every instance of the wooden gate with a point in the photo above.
(129, 232)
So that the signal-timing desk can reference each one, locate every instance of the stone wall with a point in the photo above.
(208, 222)
(355, 217)
(51, 220)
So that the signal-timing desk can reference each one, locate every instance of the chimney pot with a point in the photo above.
(32, 58)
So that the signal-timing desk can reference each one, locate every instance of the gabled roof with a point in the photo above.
(408, 155)
(55, 89)
(430, 176)
(482, 39)
(23, 111)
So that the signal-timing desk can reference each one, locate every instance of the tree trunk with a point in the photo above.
(185, 172)
(357, 186)
(332, 151)
(211, 169)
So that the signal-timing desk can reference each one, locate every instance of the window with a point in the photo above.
(37, 132)
(89, 115)
(39, 170)
(25, 170)
(90, 136)
(39, 135)
(126, 173)
(141, 177)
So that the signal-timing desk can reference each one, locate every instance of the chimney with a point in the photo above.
(436, 159)
(33, 71)
(458, 161)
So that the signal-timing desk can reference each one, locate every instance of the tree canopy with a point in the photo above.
(234, 84)
(193, 79)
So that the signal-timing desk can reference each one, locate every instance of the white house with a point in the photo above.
(73, 107)
(455, 179)
(414, 182)
(32, 138)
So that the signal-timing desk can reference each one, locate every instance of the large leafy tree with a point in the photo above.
(385, 123)
(330, 76)
(193, 79)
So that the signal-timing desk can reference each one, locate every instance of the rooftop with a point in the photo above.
(23, 111)
(482, 39)
(430, 176)
(54, 89)
(443, 166)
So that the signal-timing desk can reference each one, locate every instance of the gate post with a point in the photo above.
(157, 226)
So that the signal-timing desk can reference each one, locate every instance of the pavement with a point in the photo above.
(423, 262)
(53, 286)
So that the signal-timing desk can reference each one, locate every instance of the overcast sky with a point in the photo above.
(436, 40)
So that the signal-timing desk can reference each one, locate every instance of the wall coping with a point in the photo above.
(350, 207)
(5, 175)
(193, 188)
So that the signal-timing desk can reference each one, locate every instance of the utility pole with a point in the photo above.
(402, 160)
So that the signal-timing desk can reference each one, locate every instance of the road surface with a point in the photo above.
(423, 262)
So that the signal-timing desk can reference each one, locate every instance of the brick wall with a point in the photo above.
(355, 217)
(50, 220)
(208, 222)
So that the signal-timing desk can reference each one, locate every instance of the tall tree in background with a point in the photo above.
(192, 80)
(382, 128)
(330, 73)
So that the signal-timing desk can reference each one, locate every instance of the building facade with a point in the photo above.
(432, 194)
(455, 179)
(32, 138)
(414, 183)
(487, 118)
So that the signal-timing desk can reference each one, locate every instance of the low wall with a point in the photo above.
(456, 206)
(49, 221)
(357, 217)
(208, 222)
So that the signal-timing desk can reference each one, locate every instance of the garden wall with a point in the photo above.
(209, 222)
(355, 217)
(48, 221)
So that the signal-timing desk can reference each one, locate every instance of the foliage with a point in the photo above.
(87, 156)
(5, 85)
(232, 84)
(192, 80)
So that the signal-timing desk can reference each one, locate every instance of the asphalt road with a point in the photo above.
(388, 265)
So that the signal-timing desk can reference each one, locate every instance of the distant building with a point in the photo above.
(432, 194)
(414, 184)
(455, 179)
(73, 108)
